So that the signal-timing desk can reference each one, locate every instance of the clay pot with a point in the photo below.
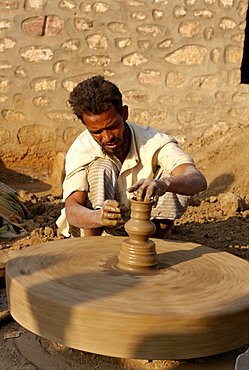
(138, 252)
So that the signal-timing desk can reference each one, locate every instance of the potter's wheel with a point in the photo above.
(72, 292)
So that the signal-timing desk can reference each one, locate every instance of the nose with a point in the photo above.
(107, 136)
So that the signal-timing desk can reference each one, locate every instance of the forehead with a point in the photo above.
(102, 120)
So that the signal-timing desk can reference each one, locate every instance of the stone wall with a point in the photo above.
(177, 63)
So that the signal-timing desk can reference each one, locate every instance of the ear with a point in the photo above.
(125, 112)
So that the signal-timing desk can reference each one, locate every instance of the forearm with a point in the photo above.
(83, 217)
(188, 183)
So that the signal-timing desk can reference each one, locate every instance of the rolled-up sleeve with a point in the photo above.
(75, 182)
(171, 155)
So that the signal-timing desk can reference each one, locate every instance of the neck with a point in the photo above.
(122, 156)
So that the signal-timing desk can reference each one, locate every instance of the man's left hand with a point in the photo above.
(148, 189)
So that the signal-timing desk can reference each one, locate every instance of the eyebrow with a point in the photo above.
(102, 129)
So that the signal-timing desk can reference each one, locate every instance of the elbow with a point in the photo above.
(202, 184)
(198, 185)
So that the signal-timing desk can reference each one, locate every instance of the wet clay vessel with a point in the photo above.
(138, 252)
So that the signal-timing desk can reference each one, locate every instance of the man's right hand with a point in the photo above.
(112, 213)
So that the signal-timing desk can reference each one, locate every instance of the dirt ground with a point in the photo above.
(217, 218)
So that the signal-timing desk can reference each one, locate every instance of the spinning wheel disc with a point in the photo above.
(71, 292)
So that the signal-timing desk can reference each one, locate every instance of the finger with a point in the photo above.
(135, 186)
(140, 194)
(155, 200)
(150, 194)
(112, 222)
(111, 209)
(111, 215)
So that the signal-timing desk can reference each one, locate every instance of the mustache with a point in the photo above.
(113, 141)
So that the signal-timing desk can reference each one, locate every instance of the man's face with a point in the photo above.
(109, 130)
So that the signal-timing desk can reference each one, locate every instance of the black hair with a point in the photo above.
(95, 95)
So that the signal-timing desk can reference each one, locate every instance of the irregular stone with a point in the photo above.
(203, 13)
(49, 25)
(42, 101)
(191, 2)
(117, 27)
(194, 116)
(152, 30)
(134, 59)
(234, 76)
(69, 84)
(227, 23)
(122, 42)
(161, 2)
(150, 77)
(226, 4)
(220, 95)
(60, 116)
(133, 2)
(7, 43)
(19, 100)
(233, 54)
(194, 98)
(208, 33)
(139, 96)
(100, 7)
(149, 117)
(85, 7)
(97, 42)
(36, 53)
(208, 82)
(5, 65)
(138, 16)
(34, 134)
(242, 26)
(82, 24)
(241, 114)
(174, 80)
(187, 55)
(144, 45)
(67, 4)
(242, 8)
(5, 24)
(5, 136)
(6, 5)
(34, 4)
(13, 116)
(240, 97)
(157, 14)
(240, 37)
(71, 45)
(3, 98)
(165, 44)
(166, 99)
(4, 82)
(20, 72)
(189, 29)
(70, 134)
(43, 83)
(61, 67)
(96, 60)
(179, 11)
(215, 55)
(108, 73)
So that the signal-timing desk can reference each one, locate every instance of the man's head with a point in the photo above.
(98, 103)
